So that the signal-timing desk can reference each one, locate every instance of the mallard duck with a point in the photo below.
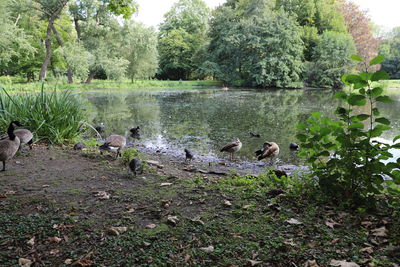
(9, 146)
(293, 146)
(232, 147)
(114, 142)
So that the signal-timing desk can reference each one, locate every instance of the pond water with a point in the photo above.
(204, 120)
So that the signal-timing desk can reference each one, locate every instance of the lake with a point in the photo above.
(204, 120)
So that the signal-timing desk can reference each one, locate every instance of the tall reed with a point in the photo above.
(52, 116)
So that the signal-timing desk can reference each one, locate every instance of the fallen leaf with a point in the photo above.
(187, 258)
(331, 223)
(293, 221)
(10, 192)
(31, 241)
(311, 263)
(380, 231)
(114, 230)
(289, 242)
(198, 220)
(102, 195)
(366, 224)
(146, 244)
(45, 185)
(54, 251)
(85, 261)
(207, 249)
(68, 261)
(245, 207)
(253, 262)
(368, 250)
(343, 263)
(24, 262)
(166, 184)
(173, 220)
(3, 195)
(227, 203)
(335, 240)
(54, 239)
(150, 226)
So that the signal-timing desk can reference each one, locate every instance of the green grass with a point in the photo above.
(104, 84)
(52, 116)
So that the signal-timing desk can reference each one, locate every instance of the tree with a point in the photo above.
(13, 40)
(140, 45)
(182, 35)
(390, 48)
(359, 26)
(263, 50)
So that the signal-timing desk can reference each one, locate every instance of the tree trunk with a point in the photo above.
(77, 29)
(91, 76)
(47, 44)
(61, 43)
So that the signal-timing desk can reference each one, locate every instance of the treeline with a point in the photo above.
(262, 43)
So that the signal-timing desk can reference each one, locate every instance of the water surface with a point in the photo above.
(204, 120)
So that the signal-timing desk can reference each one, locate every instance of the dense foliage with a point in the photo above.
(345, 155)
(262, 43)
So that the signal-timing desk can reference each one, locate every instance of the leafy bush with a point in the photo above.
(330, 60)
(51, 116)
(343, 154)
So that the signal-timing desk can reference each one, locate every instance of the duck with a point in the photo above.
(135, 132)
(9, 146)
(114, 142)
(79, 146)
(269, 150)
(255, 135)
(293, 146)
(188, 155)
(232, 147)
(136, 166)
(100, 128)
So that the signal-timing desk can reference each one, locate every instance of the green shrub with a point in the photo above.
(51, 116)
(343, 154)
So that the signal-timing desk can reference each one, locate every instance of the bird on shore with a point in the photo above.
(9, 146)
(136, 166)
(100, 128)
(79, 146)
(114, 142)
(293, 146)
(188, 155)
(135, 132)
(25, 137)
(232, 147)
(269, 150)
(255, 135)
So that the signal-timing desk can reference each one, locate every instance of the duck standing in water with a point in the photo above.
(232, 147)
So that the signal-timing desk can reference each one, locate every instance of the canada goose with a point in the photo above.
(10, 146)
(114, 142)
(232, 147)
(255, 135)
(136, 166)
(79, 146)
(269, 150)
(293, 146)
(25, 137)
(100, 128)
(188, 155)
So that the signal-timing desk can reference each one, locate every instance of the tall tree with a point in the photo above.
(359, 26)
(51, 10)
(390, 48)
(182, 35)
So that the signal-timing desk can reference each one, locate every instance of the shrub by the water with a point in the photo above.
(51, 116)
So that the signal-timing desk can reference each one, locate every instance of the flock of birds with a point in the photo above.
(16, 138)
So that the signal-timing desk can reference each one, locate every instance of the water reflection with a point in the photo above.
(204, 120)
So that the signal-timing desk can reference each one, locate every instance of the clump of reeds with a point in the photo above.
(52, 116)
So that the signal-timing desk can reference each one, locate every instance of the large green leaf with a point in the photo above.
(376, 92)
(356, 58)
(383, 121)
(376, 60)
(380, 75)
(384, 99)
(357, 100)
(358, 125)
